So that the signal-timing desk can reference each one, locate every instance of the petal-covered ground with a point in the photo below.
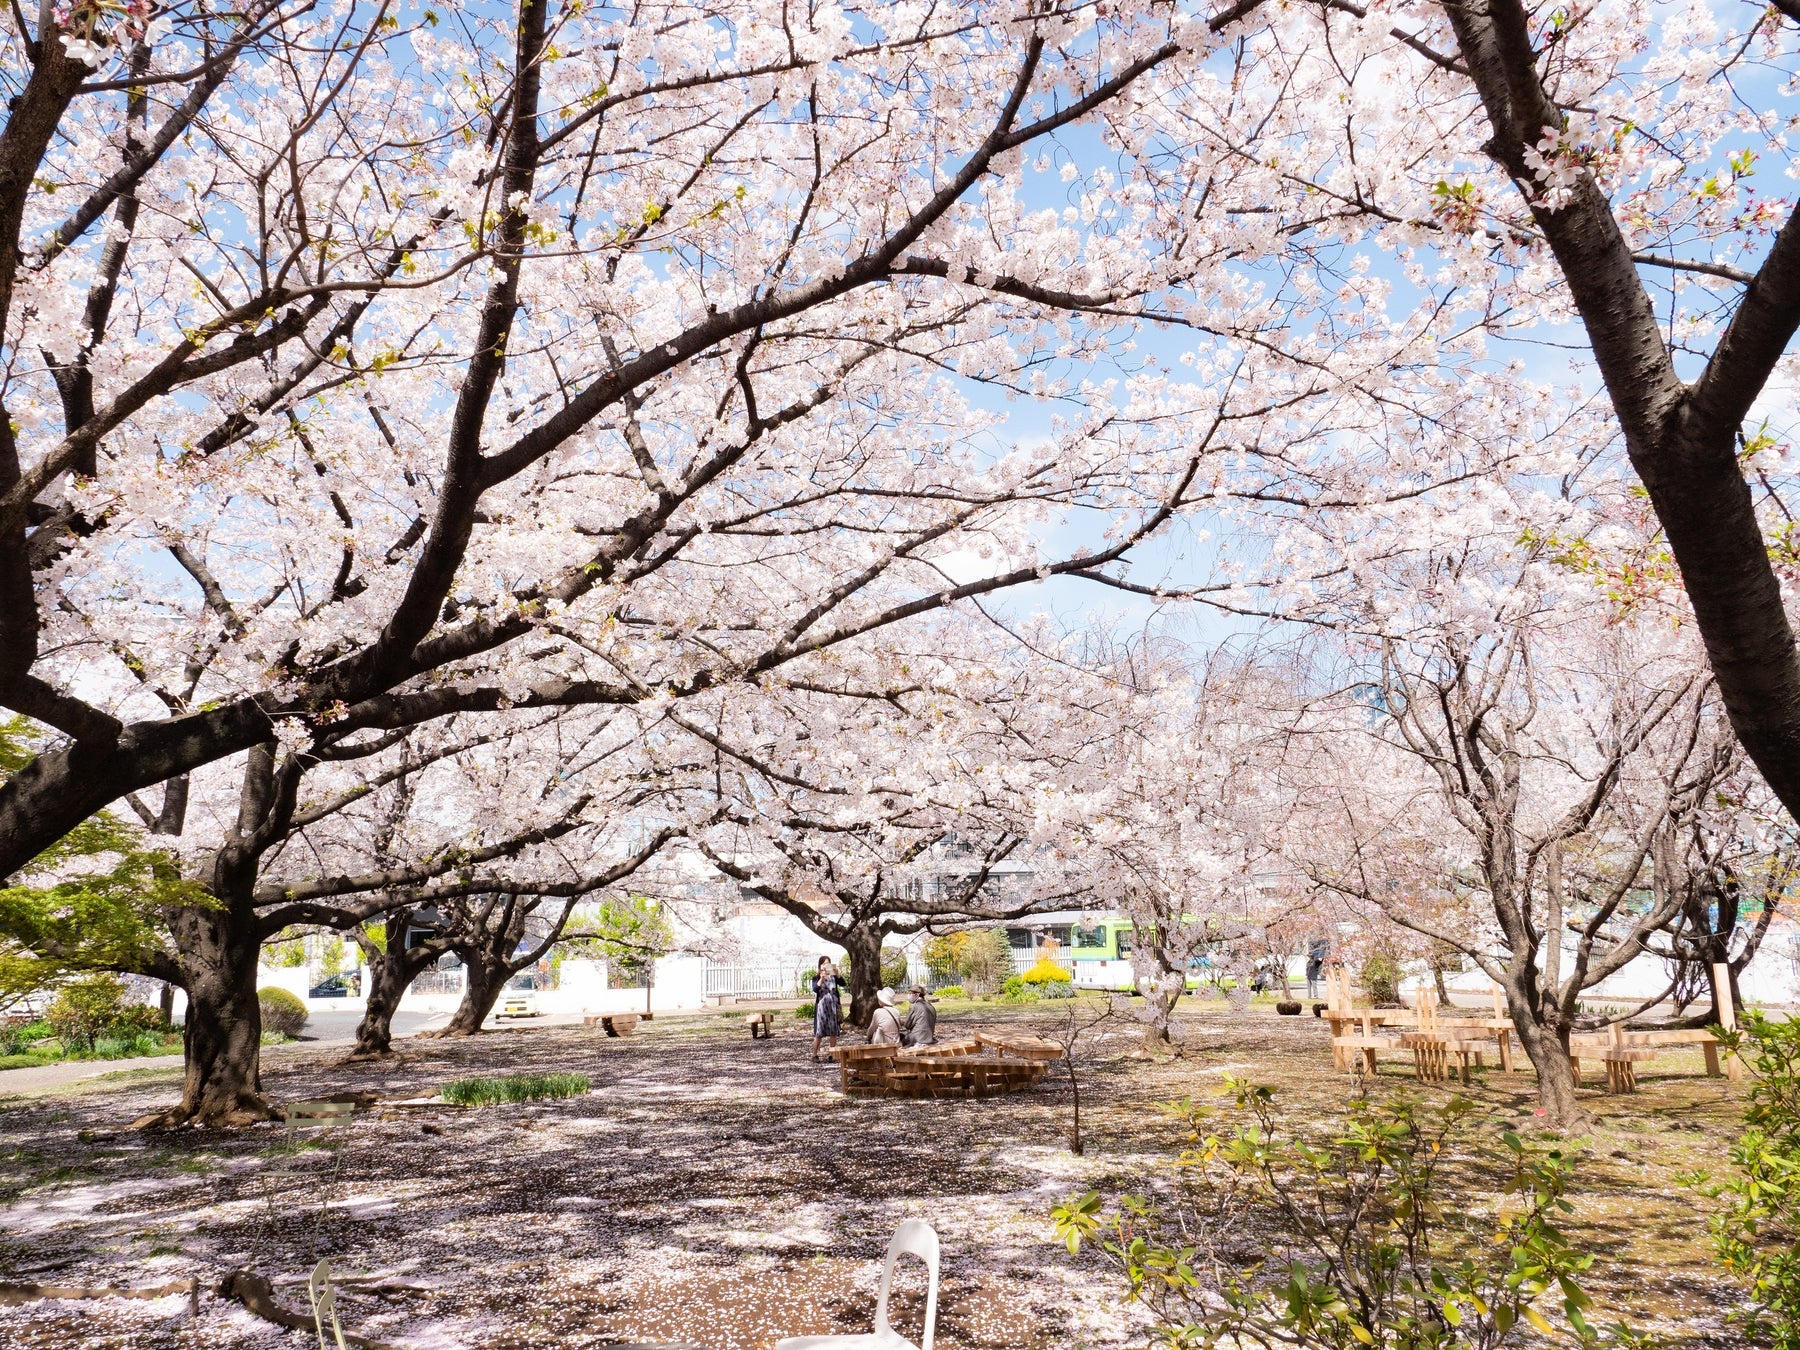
(718, 1191)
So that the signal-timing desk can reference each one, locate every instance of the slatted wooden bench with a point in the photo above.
(1034, 1048)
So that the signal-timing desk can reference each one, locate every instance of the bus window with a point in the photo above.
(1124, 943)
(1089, 937)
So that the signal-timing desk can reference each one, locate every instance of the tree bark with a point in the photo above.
(862, 945)
(217, 952)
(390, 973)
(487, 976)
(1544, 1037)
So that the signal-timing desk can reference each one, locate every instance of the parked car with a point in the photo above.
(336, 986)
(519, 998)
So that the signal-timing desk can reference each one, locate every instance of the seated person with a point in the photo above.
(884, 1027)
(921, 1019)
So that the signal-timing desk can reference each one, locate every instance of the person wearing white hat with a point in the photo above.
(884, 1027)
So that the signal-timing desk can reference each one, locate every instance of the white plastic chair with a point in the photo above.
(918, 1238)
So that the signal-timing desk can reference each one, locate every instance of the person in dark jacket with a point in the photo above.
(921, 1020)
(828, 1008)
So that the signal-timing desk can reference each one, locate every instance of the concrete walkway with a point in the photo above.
(322, 1029)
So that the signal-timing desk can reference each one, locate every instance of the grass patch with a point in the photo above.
(519, 1087)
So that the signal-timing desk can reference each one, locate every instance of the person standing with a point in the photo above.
(921, 1019)
(884, 1027)
(828, 1007)
(1316, 952)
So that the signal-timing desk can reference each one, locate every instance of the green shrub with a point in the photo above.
(893, 968)
(805, 1010)
(944, 954)
(282, 1012)
(1756, 1235)
(1015, 990)
(129, 1045)
(949, 991)
(18, 1040)
(1376, 1252)
(1381, 978)
(139, 1019)
(986, 960)
(1057, 989)
(84, 1009)
(524, 1087)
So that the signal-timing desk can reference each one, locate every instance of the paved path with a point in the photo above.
(322, 1028)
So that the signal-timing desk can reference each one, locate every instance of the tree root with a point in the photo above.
(11, 1295)
(255, 1293)
(176, 1117)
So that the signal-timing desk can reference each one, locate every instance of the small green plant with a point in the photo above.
(949, 991)
(1015, 990)
(18, 1040)
(129, 1045)
(524, 1087)
(1381, 979)
(1756, 1233)
(283, 1012)
(84, 1009)
(1368, 1252)
(806, 1010)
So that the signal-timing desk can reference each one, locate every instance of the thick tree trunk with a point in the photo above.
(862, 946)
(487, 976)
(1546, 1044)
(389, 975)
(217, 950)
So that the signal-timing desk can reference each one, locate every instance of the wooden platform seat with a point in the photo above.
(1021, 1047)
(762, 1026)
(978, 1066)
(619, 1024)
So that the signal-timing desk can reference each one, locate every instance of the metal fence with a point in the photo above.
(751, 981)
(438, 982)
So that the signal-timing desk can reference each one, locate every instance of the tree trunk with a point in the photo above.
(1545, 1042)
(217, 949)
(487, 976)
(862, 945)
(390, 974)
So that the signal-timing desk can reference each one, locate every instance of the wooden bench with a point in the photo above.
(1033, 1048)
(619, 1024)
(762, 1026)
(862, 1065)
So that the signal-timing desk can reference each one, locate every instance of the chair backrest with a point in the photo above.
(320, 1114)
(920, 1239)
(324, 1303)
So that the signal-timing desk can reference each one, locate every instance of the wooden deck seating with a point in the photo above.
(1020, 1047)
(762, 1026)
(981, 1066)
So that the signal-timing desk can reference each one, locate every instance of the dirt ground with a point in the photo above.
(718, 1191)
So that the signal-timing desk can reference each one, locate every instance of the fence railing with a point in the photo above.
(750, 981)
(438, 982)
